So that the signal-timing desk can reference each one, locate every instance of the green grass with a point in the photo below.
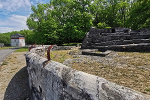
(107, 27)
(148, 90)
(98, 52)
(71, 44)
(23, 49)
(4, 63)
(5, 48)
(60, 56)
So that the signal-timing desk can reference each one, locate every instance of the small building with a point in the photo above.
(17, 40)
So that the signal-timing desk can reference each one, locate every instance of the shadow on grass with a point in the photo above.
(18, 87)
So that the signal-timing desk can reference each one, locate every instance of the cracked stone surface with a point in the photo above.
(55, 81)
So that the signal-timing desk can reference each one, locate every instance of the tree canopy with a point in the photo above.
(6, 37)
(65, 21)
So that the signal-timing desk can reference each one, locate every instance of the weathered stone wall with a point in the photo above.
(60, 47)
(55, 47)
(50, 80)
(1, 45)
(99, 38)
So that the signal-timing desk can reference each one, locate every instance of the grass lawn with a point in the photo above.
(5, 48)
(71, 44)
(23, 49)
(134, 70)
(60, 56)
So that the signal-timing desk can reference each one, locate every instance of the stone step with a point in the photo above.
(144, 36)
(138, 33)
(94, 53)
(117, 34)
(136, 41)
(122, 42)
(111, 38)
(119, 37)
(122, 33)
(141, 47)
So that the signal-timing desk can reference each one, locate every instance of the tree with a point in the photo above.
(139, 15)
(43, 25)
(60, 21)
(113, 13)
(29, 39)
(5, 38)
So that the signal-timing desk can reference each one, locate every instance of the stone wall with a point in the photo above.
(1, 45)
(50, 80)
(61, 47)
(55, 47)
(112, 39)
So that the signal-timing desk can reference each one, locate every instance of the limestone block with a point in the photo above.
(50, 80)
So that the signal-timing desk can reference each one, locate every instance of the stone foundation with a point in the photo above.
(113, 39)
(50, 80)
(1, 45)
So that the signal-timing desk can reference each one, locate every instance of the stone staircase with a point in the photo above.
(118, 39)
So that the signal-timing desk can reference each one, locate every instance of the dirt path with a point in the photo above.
(4, 53)
(14, 78)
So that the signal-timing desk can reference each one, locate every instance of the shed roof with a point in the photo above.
(17, 34)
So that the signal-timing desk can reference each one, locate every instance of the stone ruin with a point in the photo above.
(118, 39)
(50, 80)
(1, 45)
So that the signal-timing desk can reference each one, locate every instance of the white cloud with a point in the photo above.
(1, 6)
(40, 1)
(13, 5)
(27, 3)
(13, 23)
(6, 29)
(18, 19)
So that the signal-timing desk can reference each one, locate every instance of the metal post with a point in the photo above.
(32, 46)
(48, 52)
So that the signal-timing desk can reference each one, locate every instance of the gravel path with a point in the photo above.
(14, 78)
(4, 53)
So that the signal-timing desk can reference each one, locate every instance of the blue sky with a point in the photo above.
(14, 13)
